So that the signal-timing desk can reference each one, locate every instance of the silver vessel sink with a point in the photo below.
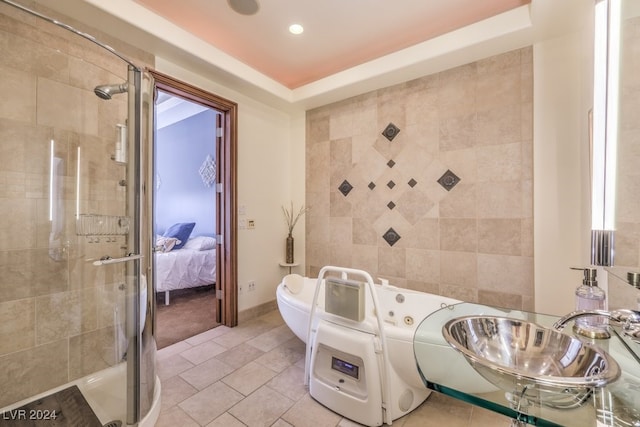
(532, 363)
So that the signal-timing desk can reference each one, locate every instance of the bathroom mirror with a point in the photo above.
(627, 204)
(627, 177)
(628, 171)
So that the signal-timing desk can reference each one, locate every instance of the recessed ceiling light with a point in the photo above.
(296, 29)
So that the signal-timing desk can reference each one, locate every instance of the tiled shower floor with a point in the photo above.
(253, 375)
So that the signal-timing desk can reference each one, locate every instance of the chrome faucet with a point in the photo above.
(628, 319)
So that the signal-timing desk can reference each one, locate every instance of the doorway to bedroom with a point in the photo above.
(192, 211)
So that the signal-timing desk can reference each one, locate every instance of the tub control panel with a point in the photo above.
(345, 367)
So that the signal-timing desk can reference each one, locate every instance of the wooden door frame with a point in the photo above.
(227, 274)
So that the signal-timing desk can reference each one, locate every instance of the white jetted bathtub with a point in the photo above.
(334, 341)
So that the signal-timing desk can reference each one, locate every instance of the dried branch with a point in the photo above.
(288, 216)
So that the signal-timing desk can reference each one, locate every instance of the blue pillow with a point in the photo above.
(180, 231)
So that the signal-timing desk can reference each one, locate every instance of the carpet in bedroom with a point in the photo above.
(190, 312)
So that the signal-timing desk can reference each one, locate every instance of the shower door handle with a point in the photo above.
(106, 260)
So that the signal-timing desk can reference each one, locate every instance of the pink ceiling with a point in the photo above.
(339, 34)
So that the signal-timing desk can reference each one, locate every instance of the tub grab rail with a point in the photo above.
(344, 271)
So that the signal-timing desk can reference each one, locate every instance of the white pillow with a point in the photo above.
(165, 244)
(200, 243)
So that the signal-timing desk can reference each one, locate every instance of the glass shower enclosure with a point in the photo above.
(76, 303)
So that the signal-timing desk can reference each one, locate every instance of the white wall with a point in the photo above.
(562, 98)
(270, 173)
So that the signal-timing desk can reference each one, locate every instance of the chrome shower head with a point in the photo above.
(107, 91)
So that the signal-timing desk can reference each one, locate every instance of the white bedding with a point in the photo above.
(184, 268)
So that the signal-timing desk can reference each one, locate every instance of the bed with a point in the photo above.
(191, 266)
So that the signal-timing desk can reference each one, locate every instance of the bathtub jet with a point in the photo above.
(360, 360)
(107, 91)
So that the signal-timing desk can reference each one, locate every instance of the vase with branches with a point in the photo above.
(292, 219)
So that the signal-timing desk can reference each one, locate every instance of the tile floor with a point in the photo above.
(252, 375)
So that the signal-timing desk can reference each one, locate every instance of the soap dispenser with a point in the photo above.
(590, 297)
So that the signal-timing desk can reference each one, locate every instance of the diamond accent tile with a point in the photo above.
(345, 188)
(391, 237)
(390, 131)
(391, 184)
(391, 163)
(391, 205)
(448, 180)
(412, 182)
(371, 186)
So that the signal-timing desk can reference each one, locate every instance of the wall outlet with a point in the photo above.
(251, 286)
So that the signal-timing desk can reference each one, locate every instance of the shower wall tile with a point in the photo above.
(500, 299)
(526, 125)
(502, 273)
(475, 120)
(391, 261)
(65, 314)
(500, 236)
(364, 257)
(459, 234)
(527, 236)
(527, 160)
(425, 234)
(80, 112)
(431, 288)
(93, 351)
(110, 301)
(526, 84)
(459, 268)
(462, 293)
(527, 198)
(19, 93)
(52, 64)
(498, 88)
(500, 125)
(340, 230)
(458, 132)
(28, 372)
(317, 127)
(22, 143)
(461, 203)
(50, 295)
(363, 232)
(422, 105)
(499, 163)
(528, 303)
(457, 91)
(422, 265)
(424, 134)
(500, 200)
(500, 63)
(16, 233)
(317, 166)
(29, 273)
(17, 325)
(340, 254)
(464, 162)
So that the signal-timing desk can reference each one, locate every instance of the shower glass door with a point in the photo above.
(72, 200)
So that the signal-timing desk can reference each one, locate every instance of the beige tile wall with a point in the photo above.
(627, 243)
(56, 308)
(474, 242)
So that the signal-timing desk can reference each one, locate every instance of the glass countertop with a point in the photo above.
(447, 371)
